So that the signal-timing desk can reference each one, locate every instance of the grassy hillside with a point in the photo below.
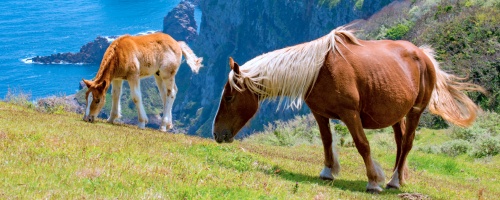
(58, 156)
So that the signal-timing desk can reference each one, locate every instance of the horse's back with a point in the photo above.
(380, 79)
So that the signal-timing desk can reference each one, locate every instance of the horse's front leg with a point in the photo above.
(135, 91)
(115, 104)
(332, 165)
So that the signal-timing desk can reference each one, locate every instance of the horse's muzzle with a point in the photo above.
(223, 137)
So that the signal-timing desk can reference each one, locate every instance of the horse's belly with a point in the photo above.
(383, 112)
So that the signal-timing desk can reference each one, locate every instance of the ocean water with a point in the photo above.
(43, 27)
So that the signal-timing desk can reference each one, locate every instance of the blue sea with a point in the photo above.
(45, 27)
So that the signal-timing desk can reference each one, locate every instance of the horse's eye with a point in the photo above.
(229, 98)
(97, 100)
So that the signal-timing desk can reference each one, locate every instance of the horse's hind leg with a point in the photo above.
(412, 119)
(373, 170)
(398, 137)
(135, 91)
(331, 158)
(115, 104)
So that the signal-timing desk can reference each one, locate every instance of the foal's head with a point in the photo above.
(236, 108)
(96, 98)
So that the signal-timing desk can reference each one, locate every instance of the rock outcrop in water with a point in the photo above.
(90, 53)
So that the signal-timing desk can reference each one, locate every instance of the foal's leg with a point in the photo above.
(168, 91)
(115, 104)
(412, 119)
(171, 94)
(373, 171)
(331, 158)
(135, 91)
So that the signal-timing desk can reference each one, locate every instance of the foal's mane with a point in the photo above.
(106, 70)
(291, 71)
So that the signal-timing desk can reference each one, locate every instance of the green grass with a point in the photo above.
(58, 156)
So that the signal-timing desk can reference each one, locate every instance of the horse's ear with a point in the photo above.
(234, 66)
(88, 83)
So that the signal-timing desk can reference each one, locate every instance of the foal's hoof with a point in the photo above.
(163, 129)
(141, 125)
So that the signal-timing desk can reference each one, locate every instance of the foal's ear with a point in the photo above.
(101, 86)
(88, 83)
(234, 66)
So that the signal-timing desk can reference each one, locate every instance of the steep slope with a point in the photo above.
(59, 156)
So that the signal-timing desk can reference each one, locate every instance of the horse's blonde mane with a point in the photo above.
(289, 72)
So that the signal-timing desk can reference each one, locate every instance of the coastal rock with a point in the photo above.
(90, 53)
(180, 23)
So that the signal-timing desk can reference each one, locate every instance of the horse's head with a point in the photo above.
(96, 98)
(237, 106)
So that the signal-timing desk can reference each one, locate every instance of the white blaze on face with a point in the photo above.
(213, 124)
(89, 101)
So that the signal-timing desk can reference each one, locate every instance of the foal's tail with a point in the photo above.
(448, 98)
(191, 59)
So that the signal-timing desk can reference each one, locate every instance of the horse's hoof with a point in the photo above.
(373, 189)
(389, 187)
(326, 174)
(326, 178)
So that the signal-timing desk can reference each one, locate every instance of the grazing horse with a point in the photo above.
(365, 84)
(132, 58)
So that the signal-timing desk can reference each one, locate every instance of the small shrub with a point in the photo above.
(397, 32)
(18, 97)
(429, 149)
(343, 133)
(455, 147)
(485, 146)
(300, 130)
(59, 105)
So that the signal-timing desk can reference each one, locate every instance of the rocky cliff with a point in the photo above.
(180, 23)
(245, 29)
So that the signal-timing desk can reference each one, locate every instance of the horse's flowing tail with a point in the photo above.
(448, 98)
(192, 60)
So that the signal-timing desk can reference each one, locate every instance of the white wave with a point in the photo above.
(110, 39)
(27, 60)
(34, 76)
(147, 32)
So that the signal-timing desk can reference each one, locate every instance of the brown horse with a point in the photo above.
(366, 84)
(132, 58)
